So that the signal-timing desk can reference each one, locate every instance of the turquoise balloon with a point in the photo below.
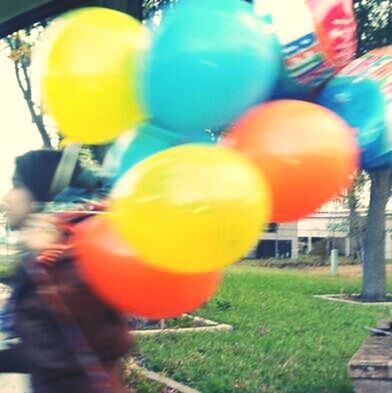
(113, 156)
(149, 139)
(204, 137)
(209, 62)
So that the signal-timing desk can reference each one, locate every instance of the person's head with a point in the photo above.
(33, 183)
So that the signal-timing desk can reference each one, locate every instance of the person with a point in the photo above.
(70, 340)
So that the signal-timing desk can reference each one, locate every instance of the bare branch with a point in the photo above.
(19, 45)
(18, 79)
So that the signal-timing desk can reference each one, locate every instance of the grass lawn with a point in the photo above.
(7, 267)
(284, 339)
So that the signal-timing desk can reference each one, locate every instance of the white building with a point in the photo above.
(329, 222)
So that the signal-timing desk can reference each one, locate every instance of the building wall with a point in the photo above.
(286, 232)
(333, 224)
(280, 244)
(329, 222)
(321, 225)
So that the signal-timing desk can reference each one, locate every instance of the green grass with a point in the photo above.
(284, 340)
(7, 268)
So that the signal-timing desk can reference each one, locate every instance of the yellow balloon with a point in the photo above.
(191, 208)
(90, 73)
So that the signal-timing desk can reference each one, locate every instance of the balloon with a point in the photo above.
(307, 153)
(203, 137)
(90, 73)
(361, 94)
(209, 62)
(125, 282)
(336, 29)
(148, 140)
(112, 159)
(191, 208)
(316, 38)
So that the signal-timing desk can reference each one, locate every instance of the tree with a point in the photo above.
(374, 24)
(16, 15)
(151, 7)
(374, 272)
(352, 200)
(19, 47)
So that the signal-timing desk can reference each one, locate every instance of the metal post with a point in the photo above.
(309, 245)
(7, 239)
(334, 260)
(347, 246)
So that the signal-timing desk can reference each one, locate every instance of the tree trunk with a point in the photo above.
(355, 226)
(38, 121)
(352, 200)
(36, 115)
(374, 274)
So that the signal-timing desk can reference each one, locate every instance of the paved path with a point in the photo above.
(12, 383)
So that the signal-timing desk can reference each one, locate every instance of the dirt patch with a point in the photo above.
(351, 271)
(135, 376)
(347, 269)
(186, 321)
(186, 324)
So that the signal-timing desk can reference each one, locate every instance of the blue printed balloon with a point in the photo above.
(362, 94)
(209, 62)
(346, 97)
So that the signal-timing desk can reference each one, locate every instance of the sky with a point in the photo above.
(17, 132)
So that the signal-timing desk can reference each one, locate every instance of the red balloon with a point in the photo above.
(307, 153)
(122, 280)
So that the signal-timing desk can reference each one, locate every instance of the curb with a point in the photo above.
(332, 297)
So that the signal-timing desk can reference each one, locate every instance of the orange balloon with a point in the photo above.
(122, 280)
(307, 153)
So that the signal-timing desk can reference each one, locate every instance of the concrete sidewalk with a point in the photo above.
(14, 383)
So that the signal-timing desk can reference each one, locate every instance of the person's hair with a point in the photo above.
(36, 170)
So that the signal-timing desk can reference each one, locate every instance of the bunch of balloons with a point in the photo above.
(185, 205)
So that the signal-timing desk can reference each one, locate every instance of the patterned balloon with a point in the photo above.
(316, 39)
(335, 29)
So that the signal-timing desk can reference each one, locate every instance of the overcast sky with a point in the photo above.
(17, 133)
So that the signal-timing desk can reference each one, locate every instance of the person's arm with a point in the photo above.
(41, 232)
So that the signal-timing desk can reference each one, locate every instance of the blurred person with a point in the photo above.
(70, 340)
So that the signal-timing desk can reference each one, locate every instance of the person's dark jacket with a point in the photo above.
(45, 340)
